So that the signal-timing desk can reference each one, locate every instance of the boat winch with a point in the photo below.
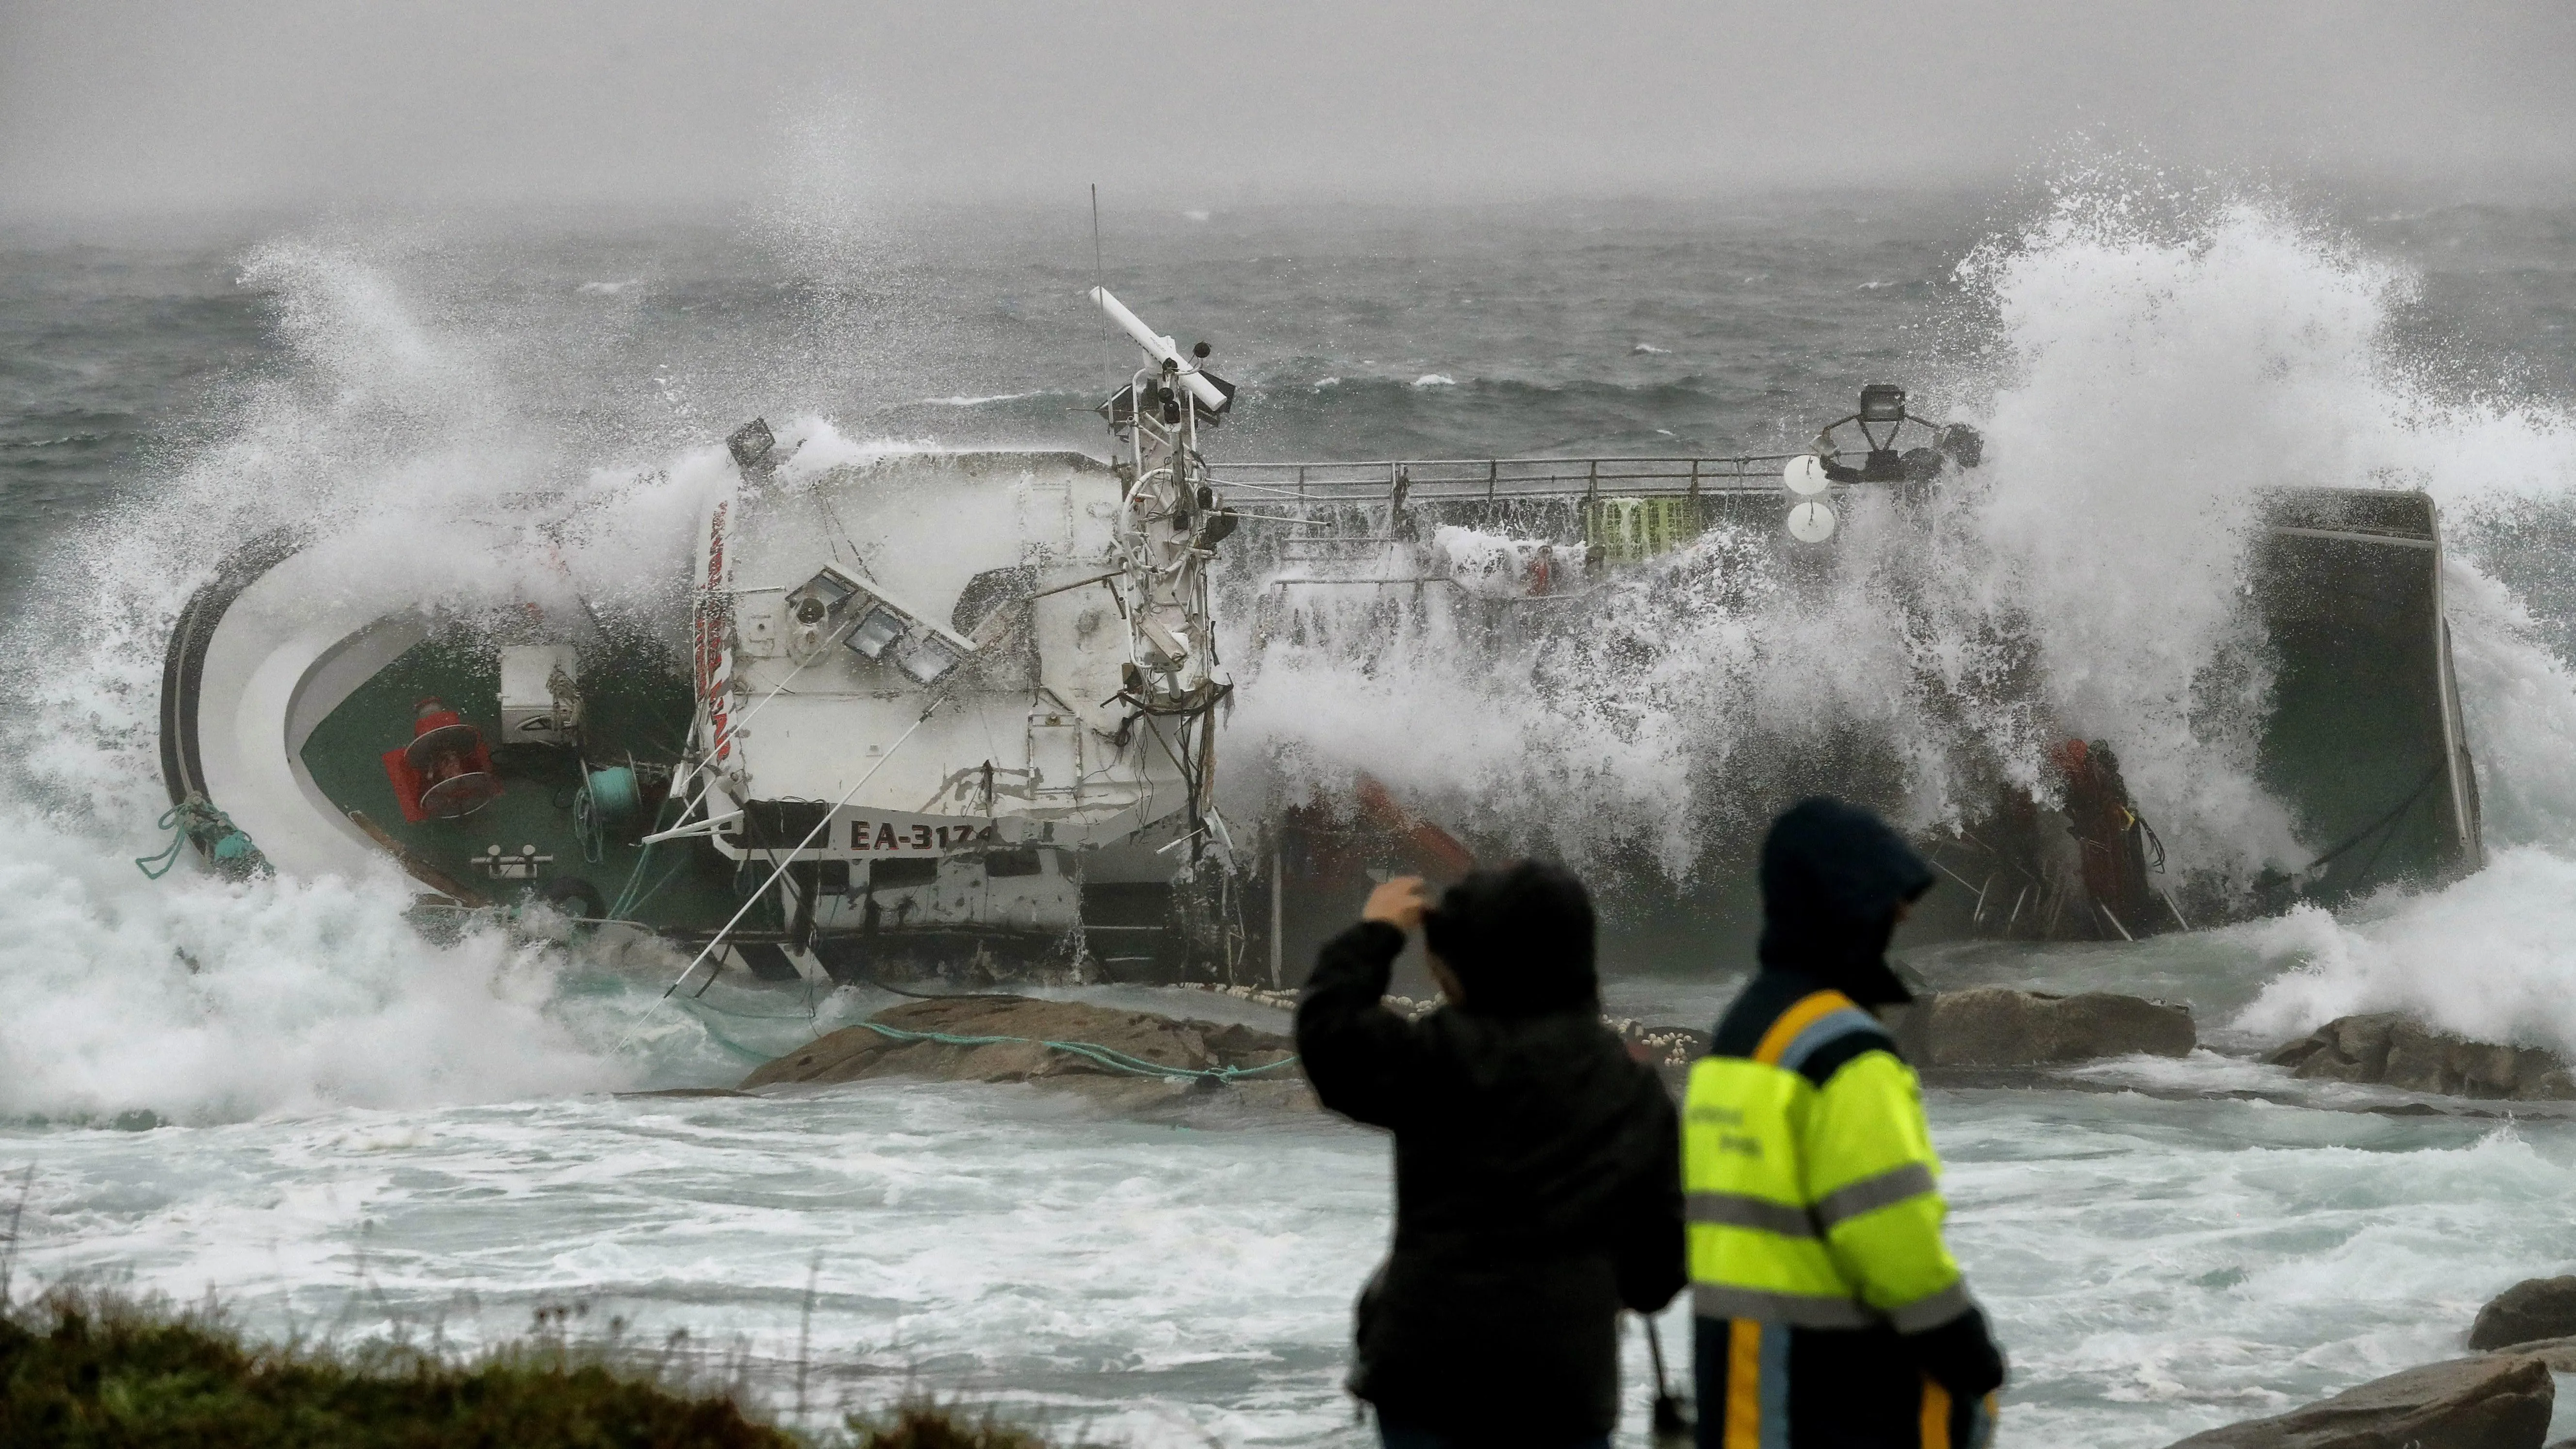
(608, 801)
(445, 773)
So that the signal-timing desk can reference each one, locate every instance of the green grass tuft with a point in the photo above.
(85, 1368)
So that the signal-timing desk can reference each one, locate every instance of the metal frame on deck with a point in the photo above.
(1503, 479)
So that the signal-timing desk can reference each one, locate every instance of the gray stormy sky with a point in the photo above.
(229, 104)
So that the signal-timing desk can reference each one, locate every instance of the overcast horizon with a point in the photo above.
(295, 107)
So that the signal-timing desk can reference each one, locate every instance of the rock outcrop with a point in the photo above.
(1027, 1024)
(1985, 1026)
(1996, 1026)
(2395, 1051)
(2475, 1403)
(2529, 1311)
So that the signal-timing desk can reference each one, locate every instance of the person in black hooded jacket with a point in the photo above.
(1537, 1175)
(1829, 1312)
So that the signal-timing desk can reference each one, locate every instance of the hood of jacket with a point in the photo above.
(1833, 876)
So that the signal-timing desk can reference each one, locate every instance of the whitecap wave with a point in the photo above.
(2491, 957)
(198, 1000)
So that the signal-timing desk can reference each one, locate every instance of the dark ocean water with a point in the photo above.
(376, 1126)
(1562, 328)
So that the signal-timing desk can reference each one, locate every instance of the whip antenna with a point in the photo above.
(1099, 282)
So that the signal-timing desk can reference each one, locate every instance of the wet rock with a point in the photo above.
(2531, 1310)
(1996, 1026)
(2389, 1050)
(2558, 1353)
(2475, 1403)
(1015, 1033)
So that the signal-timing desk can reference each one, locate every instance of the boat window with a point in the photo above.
(903, 871)
(1011, 862)
(780, 824)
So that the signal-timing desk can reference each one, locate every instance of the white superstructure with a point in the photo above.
(940, 691)
(961, 672)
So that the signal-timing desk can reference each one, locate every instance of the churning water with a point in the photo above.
(363, 1127)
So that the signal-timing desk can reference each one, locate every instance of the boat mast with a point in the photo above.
(1169, 522)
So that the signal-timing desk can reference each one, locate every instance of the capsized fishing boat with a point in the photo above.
(2362, 742)
(935, 711)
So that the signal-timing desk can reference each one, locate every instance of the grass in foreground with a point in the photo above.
(922, 1424)
(91, 1369)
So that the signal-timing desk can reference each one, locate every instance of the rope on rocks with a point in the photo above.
(748, 1054)
(1109, 1057)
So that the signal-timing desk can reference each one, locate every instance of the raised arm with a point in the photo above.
(1363, 1059)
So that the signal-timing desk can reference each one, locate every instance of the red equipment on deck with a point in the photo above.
(2113, 839)
(445, 772)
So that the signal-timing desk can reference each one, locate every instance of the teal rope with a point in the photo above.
(729, 1044)
(1109, 1057)
(627, 900)
(167, 859)
(195, 818)
(637, 904)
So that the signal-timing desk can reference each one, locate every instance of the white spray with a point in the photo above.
(2139, 378)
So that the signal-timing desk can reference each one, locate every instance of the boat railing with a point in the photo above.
(1499, 479)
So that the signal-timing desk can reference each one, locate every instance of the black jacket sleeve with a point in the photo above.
(1363, 1060)
(1650, 1247)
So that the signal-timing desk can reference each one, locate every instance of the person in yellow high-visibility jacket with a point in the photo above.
(1828, 1310)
